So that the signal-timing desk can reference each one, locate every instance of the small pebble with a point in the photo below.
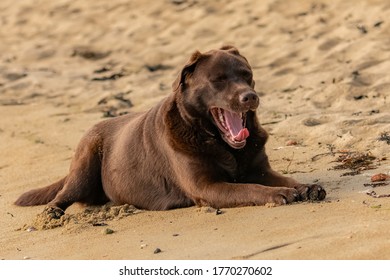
(143, 246)
(379, 177)
(30, 229)
(218, 212)
(158, 250)
(291, 143)
(108, 231)
(26, 257)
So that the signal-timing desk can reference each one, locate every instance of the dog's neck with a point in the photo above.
(187, 133)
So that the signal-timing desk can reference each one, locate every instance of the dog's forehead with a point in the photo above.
(220, 60)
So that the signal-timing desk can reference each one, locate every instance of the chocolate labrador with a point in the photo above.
(202, 145)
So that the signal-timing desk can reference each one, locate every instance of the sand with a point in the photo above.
(321, 68)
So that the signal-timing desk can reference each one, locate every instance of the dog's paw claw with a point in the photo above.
(311, 192)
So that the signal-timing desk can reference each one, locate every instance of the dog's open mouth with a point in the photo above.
(232, 126)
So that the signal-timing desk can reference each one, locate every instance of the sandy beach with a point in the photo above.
(321, 70)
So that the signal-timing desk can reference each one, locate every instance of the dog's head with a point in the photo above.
(218, 85)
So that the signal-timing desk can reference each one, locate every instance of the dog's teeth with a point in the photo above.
(220, 116)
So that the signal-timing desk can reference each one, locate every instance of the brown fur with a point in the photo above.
(174, 155)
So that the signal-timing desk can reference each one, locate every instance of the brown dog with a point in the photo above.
(201, 145)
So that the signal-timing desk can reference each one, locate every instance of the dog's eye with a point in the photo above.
(247, 76)
(219, 79)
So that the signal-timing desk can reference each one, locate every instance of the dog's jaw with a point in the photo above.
(231, 126)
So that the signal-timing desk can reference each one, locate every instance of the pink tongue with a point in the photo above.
(234, 123)
(242, 135)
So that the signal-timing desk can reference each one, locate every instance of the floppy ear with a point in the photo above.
(187, 70)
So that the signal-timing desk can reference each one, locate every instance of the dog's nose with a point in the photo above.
(249, 99)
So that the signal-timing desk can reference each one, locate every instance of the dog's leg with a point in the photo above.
(83, 183)
(261, 172)
(306, 191)
(225, 195)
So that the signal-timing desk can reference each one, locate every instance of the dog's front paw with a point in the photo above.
(281, 196)
(311, 192)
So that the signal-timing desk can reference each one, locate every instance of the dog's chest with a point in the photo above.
(234, 167)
